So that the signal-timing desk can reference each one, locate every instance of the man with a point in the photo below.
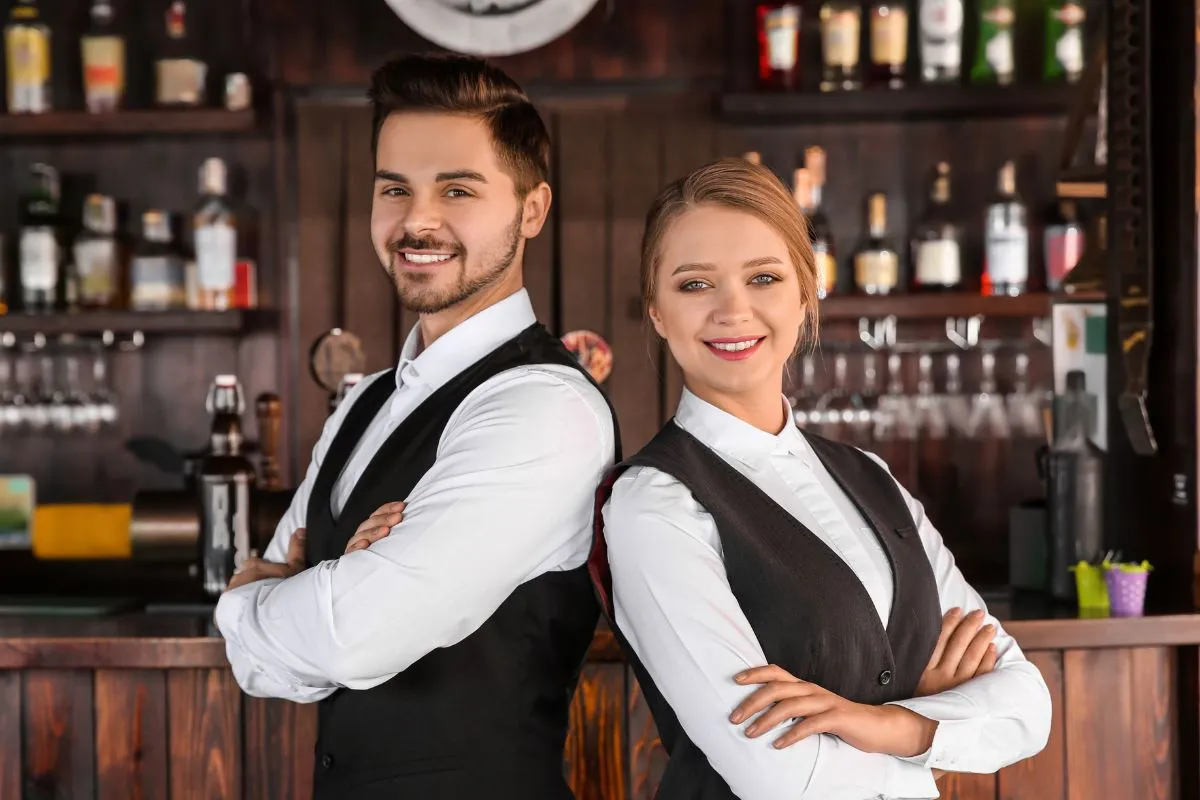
(443, 655)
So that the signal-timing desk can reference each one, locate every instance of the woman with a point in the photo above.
(760, 575)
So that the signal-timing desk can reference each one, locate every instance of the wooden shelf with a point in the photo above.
(128, 123)
(162, 322)
(933, 306)
(1082, 183)
(913, 103)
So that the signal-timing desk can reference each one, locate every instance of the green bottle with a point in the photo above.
(1064, 40)
(994, 51)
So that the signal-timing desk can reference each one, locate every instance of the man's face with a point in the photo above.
(446, 222)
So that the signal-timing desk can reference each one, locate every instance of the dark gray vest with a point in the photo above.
(486, 717)
(808, 609)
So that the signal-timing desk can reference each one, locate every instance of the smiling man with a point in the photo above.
(444, 654)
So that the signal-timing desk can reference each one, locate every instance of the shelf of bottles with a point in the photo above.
(181, 103)
(927, 276)
(865, 45)
(69, 278)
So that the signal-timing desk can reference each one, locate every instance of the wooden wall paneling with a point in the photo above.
(967, 786)
(687, 144)
(582, 228)
(647, 756)
(131, 734)
(1099, 712)
(1153, 736)
(10, 733)
(318, 150)
(204, 708)
(636, 161)
(596, 756)
(370, 295)
(539, 266)
(1043, 776)
(57, 718)
(280, 741)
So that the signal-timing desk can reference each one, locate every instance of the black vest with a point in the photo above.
(487, 716)
(808, 609)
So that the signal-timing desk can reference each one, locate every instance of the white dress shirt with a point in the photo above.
(510, 497)
(673, 603)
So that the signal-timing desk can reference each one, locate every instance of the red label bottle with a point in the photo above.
(778, 46)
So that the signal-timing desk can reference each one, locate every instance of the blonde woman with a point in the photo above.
(797, 624)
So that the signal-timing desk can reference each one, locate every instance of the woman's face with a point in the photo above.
(727, 301)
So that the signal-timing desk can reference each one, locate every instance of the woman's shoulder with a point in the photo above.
(645, 499)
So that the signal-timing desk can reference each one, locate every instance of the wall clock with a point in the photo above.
(491, 27)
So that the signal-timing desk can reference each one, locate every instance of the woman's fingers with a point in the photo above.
(957, 644)
(976, 650)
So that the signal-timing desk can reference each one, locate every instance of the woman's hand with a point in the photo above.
(873, 729)
(376, 526)
(964, 650)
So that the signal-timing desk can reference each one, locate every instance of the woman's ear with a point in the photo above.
(652, 312)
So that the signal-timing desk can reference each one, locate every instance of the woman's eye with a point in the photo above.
(691, 286)
(764, 279)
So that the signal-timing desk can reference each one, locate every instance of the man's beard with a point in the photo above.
(411, 286)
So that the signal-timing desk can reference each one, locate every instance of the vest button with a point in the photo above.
(885, 677)
(327, 761)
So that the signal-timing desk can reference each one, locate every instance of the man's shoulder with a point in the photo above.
(546, 394)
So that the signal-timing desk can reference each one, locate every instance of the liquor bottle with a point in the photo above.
(841, 26)
(224, 480)
(27, 48)
(1064, 40)
(216, 239)
(103, 61)
(876, 264)
(181, 76)
(941, 31)
(1006, 239)
(40, 249)
(808, 199)
(156, 272)
(752, 156)
(994, 52)
(937, 243)
(889, 43)
(4, 303)
(1064, 243)
(778, 46)
(98, 254)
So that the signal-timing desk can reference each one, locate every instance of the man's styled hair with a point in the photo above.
(456, 84)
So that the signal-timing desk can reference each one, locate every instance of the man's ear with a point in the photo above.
(536, 210)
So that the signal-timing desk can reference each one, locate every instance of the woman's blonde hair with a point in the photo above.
(736, 184)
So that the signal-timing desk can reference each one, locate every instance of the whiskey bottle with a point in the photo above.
(40, 259)
(1006, 238)
(156, 273)
(841, 30)
(103, 52)
(181, 76)
(778, 45)
(808, 200)
(937, 263)
(889, 43)
(216, 239)
(98, 254)
(876, 264)
(941, 31)
(27, 59)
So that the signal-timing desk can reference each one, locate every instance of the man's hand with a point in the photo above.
(376, 526)
(873, 729)
(255, 569)
(964, 650)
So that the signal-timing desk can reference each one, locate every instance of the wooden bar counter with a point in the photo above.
(143, 705)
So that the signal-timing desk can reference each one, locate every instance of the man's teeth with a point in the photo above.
(426, 258)
(733, 347)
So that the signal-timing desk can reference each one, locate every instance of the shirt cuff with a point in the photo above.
(957, 731)
(910, 781)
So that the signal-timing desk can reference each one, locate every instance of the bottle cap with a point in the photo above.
(212, 176)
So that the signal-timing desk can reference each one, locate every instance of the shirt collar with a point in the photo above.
(464, 344)
(721, 431)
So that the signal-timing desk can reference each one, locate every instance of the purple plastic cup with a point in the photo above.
(1126, 592)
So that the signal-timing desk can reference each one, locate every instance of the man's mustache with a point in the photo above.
(413, 243)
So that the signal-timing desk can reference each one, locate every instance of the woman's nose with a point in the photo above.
(732, 307)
